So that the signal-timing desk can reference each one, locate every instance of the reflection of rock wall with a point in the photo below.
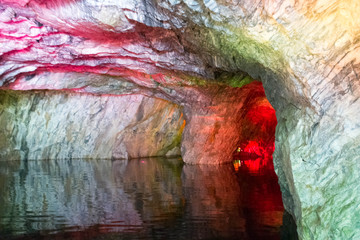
(232, 206)
(146, 197)
(218, 196)
(156, 186)
(262, 197)
(48, 195)
(57, 194)
(47, 125)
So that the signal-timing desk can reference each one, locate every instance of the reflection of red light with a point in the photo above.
(255, 157)
(253, 165)
(256, 165)
(237, 165)
(264, 192)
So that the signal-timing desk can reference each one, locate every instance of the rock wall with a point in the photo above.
(217, 126)
(49, 125)
(304, 52)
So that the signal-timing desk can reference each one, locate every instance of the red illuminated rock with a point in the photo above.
(304, 52)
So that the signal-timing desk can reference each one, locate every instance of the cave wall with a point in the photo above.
(52, 125)
(304, 52)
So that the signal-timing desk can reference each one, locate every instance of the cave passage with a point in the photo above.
(148, 198)
(257, 134)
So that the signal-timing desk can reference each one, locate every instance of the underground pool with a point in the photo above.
(148, 198)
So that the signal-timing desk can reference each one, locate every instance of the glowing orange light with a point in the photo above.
(237, 165)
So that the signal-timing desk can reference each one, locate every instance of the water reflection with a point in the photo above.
(154, 198)
(261, 198)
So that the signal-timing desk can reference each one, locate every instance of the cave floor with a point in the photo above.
(152, 198)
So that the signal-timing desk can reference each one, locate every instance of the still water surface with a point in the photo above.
(153, 198)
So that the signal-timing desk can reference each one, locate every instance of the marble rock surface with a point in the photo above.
(304, 52)
(49, 125)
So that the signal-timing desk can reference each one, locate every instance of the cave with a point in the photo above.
(113, 82)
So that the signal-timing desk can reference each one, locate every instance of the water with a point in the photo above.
(154, 198)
